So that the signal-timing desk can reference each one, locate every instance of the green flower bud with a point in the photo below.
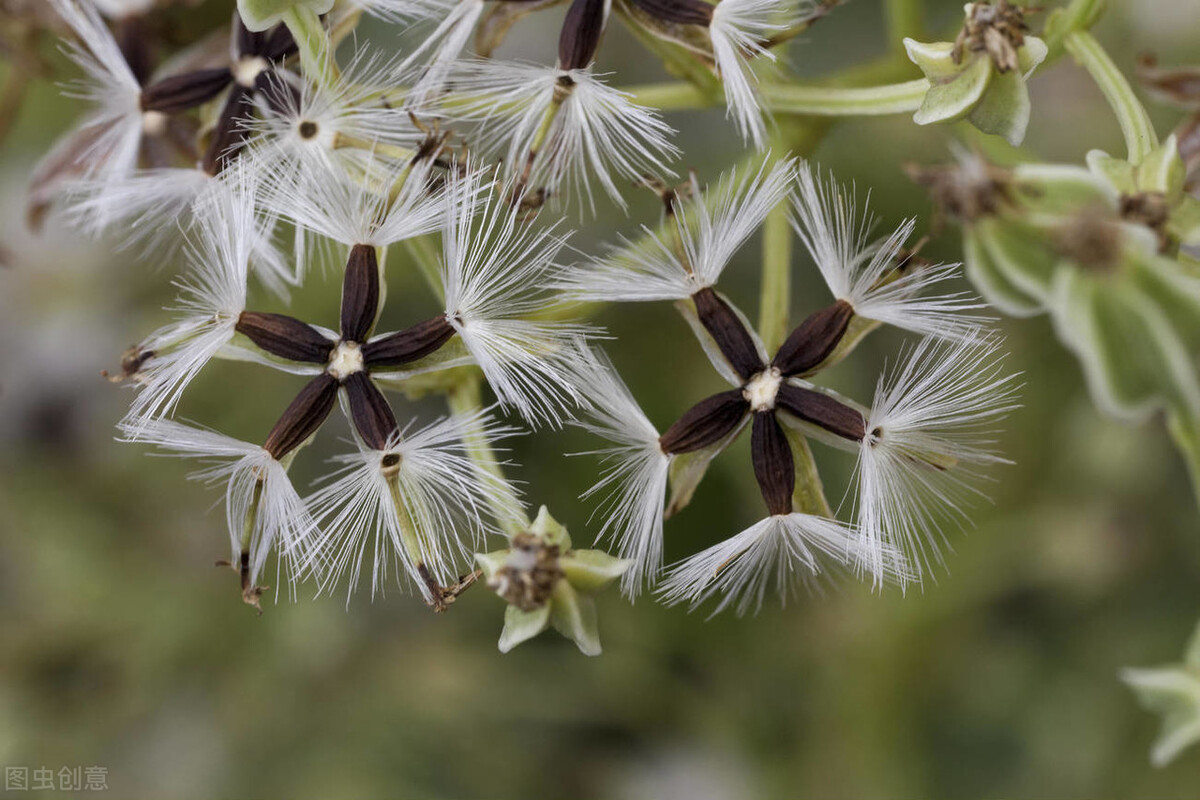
(981, 75)
(546, 583)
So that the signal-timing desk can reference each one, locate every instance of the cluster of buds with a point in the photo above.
(1098, 247)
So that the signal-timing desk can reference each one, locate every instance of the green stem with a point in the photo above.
(789, 98)
(1139, 134)
(824, 101)
(466, 398)
(316, 56)
(1185, 431)
(905, 18)
(775, 291)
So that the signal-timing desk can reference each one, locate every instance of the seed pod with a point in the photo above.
(705, 423)
(773, 465)
(814, 339)
(360, 293)
(729, 332)
(285, 336)
(177, 93)
(230, 134)
(581, 33)
(683, 12)
(823, 411)
(409, 345)
(302, 418)
(369, 409)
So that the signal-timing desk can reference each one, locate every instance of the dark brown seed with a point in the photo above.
(581, 33)
(822, 410)
(683, 12)
(373, 417)
(135, 42)
(281, 95)
(177, 93)
(814, 339)
(231, 132)
(408, 345)
(773, 465)
(279, 44)
(729, 332)
(705, 423)
(302, 418)
(360, 293)
(248, 42)
(285, 337)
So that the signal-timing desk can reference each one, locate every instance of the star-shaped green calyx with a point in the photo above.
(1174, 692)
(981, 75)
(547, 583)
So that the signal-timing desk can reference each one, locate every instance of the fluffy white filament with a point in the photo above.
(711, 227)
(738, 31)
(495, 268)
(856, 268)
(929, 427)
(634, 481)
(574, 126)
(431, 508)
(257, 488)
(776, 555)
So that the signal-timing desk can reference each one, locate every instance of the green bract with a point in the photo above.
(1093, 247)
(1174, 692)
(258, 15)
(547, 583)
(970, 83)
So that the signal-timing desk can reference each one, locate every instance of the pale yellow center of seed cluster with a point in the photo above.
(761, 390)
(154, 123)
(247, 70)
(346, 360)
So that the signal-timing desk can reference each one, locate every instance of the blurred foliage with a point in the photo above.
(122, 646)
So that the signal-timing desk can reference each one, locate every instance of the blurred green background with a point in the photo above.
(121, 645)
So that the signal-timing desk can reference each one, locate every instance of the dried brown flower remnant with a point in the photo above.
(995, 28)
(529, 574)
(964, 191)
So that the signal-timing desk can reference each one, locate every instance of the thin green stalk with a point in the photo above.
(789, 98)
(827, 101)
(1185, 431)
(776, 289)
(466, 398)
(905, 18)
(316, 55)
(1139, 134)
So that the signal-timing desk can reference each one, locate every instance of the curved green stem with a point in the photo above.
(1139, 134)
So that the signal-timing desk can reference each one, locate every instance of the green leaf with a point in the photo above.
(934, 58)
(1174, 291)
(1060, 188)
(687, 470)
(1117, 171)
(1031, 55)
(1021, 253)
(520, 626)
(550, 530)
(574, 616)
(954, 99)
(1173, 692)
(995, 287)
(1004, 108)
(1162, 170)
(1184, 222)
(589, 571)
(491, 563)
(258, 15)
